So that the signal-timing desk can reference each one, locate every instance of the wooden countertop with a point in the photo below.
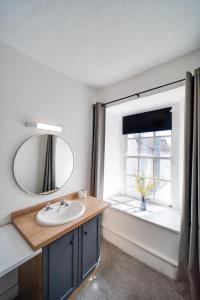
(39, 236)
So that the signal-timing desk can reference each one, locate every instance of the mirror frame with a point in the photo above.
(13, 163)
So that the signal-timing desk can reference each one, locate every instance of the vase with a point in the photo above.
(143, 203)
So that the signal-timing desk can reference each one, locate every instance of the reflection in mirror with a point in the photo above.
(43, 164)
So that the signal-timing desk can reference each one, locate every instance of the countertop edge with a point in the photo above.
(103, 205)
(65, 231)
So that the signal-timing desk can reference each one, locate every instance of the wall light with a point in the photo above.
(44, 126)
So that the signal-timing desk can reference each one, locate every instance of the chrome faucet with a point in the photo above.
(48, 207)
(62, 203)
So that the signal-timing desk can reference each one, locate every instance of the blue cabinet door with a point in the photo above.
(89, 245)
(60, 267)
(68, 260)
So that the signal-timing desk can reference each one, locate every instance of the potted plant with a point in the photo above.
(144, 186)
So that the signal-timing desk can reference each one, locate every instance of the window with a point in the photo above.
(125, 153)
(149, 152)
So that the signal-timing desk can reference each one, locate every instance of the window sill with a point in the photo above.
(168, 218)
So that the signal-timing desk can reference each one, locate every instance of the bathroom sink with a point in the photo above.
(60, 213)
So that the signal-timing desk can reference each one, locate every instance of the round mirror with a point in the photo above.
(43, 164)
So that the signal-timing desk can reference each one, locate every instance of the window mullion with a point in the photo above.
(155, 164)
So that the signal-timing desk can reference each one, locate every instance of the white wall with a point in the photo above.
(30, 91)
(149, 243)
(153, 245)
(162, 74)
(114, 160)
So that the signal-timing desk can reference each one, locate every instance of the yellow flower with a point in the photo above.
(144, 185)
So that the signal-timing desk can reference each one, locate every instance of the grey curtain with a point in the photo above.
(98, 145)
(188, 277)
(49, 172)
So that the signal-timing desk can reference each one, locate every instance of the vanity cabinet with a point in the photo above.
(89, 239)
(60, 267)
(68, 260)
(69, 252)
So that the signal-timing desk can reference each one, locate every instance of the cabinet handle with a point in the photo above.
(71, 242)
(85, 232)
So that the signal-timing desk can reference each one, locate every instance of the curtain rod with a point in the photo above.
(142, 92)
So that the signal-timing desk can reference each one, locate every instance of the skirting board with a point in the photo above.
(150, 258)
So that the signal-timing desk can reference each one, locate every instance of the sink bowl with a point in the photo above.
(57, 214)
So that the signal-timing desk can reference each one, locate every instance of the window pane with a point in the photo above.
(146, 166)
(131, 166)
(163, 169)
(153, 154)
(133, 135)
(130, 187)
(146, 147)
(146, 134)
(132, 147)
(163, 191)
(163, 146)
(163, 133)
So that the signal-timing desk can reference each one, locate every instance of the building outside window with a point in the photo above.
(149, 153)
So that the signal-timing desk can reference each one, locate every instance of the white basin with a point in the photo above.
(60, 214)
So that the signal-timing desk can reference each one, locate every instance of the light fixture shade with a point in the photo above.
(44, 126)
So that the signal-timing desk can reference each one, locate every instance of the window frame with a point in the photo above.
(176, 159)
(153, 158)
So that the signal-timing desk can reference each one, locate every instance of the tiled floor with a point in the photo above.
(122, 277)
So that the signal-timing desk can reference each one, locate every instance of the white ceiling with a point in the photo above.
(100, 42)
